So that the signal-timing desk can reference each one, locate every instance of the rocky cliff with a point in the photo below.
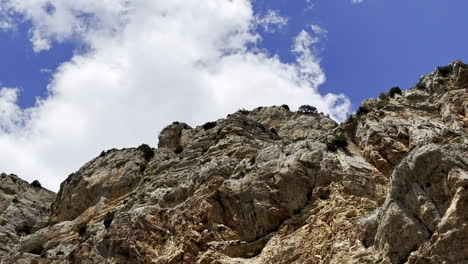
(390, 185)
(24, 209)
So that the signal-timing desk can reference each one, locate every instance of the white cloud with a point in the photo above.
(319, 31)
(357, 1)
(10, 113)
(148, 63)
(271, 22)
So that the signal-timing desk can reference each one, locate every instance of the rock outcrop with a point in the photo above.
(24, 209)
(275, 186)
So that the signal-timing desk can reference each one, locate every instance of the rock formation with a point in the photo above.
(267, 186)
(24, 209)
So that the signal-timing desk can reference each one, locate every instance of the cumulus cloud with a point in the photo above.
(10, 113)
(147, 64)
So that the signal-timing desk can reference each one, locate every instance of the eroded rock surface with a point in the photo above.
(262, 186)
(24, 209)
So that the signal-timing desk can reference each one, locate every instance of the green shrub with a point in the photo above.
(165, 237)
(106, 235)
(362, 110)
(262, 127)
(383, 96)
(82, 230)
(36, 184)
(273, 130)
(420, 86)
(24, 229)
(253, 159)
(307, 109)
(285, 106)
(338, 141)
(243, 111)
(178, 149)
(393, 91)
(382, 104)
(108, 219)
(445, 70)
(38, 250)
(209, 125)
(205, 148)
(59, 253)
(147, 151)
(15, 200)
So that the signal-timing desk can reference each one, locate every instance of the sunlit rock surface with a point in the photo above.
(264, 186)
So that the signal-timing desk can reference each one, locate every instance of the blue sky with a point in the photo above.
(377, 44)
(112, 76)
(369, 46)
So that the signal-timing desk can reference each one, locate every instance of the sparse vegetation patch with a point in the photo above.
(24, 229)
(383, 96)
(178, 149)
(147, 151)
(307, 109)
(362, 110)
(445, 70)
(108, 219)
(420, 86)
(38, 250)
(209, 125)
(393, 91)
(36, 184)
(337, 142)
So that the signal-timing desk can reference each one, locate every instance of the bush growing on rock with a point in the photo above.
(273, 131)
(178, 149)
(148, 152)
(393, 91)
(82, 230)
(36, 184)
(307, 109)
(383, 96)
(445, 70)
(382, 104)
(243, 111)
(362, 110)
(38, 250)
(209, 125)
(285, 106)
(420, 86)
(108, 219)
(24, 229)
(337, 142)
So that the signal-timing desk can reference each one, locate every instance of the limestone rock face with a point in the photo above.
(110, 176)
(174, 135)
(427, 200)
(24, 208)
(265, 186)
